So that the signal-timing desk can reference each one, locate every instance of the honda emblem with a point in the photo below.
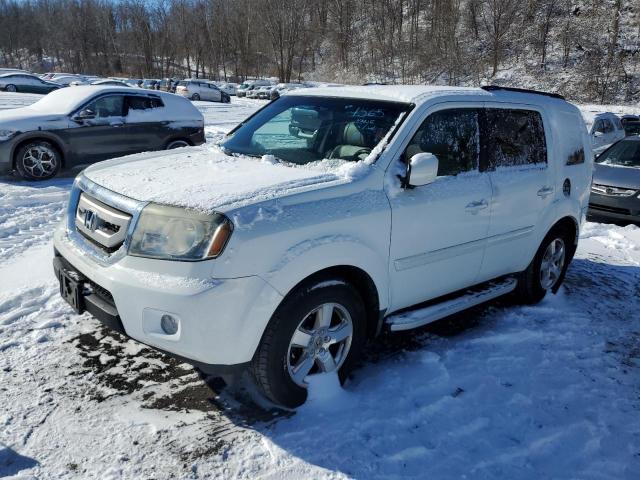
(90, 220)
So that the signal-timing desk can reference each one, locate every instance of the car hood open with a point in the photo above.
(616, 176)
(205, 178)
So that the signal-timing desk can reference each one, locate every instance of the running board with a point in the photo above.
(470, 298)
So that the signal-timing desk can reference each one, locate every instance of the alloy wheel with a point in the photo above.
(320, 343)
(552, 263)
(40, 161)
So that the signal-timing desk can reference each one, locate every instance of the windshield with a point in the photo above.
(625, 153)
(301, 129)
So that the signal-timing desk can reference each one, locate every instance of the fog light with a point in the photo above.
(169, 324)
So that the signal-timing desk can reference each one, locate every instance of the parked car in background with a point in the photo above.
(605, 129)
(264, 93)
(615, 192)
(286, 268)
(229, 88)
(281, 88)
(88, 124)
(195, 89)
(632, 128)
(26, 83)
(250, 85)
(631, 124)
(169, 84)
(4, 71)
(150, 83)
(70, 80)
(111, 83)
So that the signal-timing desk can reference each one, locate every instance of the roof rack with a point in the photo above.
(493, 88)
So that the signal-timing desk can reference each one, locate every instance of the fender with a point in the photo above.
(311, 256)
(38, 134)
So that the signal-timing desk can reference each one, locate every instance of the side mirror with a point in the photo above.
(423, 169)
(86, 114)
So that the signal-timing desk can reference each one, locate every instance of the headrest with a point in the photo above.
(352, 136)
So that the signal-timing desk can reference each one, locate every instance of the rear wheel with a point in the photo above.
(177, 144)
(318, 329)
(11, 88)
(38, 160)
(546, 271)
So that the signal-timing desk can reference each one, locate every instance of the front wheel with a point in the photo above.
(546, 271)
(318, 329)
(38, 160)
(195, 97)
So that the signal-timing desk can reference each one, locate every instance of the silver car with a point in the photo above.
(202, 90)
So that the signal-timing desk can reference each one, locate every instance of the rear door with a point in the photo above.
(514, 153)
(146, 125)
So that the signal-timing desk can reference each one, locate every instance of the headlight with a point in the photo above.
(173, 233)
(6, 134)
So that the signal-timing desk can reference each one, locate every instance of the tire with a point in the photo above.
(226, 99)
(177, 144)
(11, 88)
(546, 270)
(195, 97)
(278, 358)
(38, 160)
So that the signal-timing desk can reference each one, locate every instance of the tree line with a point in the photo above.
(586, 49)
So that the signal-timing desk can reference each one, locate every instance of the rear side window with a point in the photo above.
(513, 138)
(607, 126)
(453, 137)
(143, 103)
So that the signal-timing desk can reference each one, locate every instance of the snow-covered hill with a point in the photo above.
(503, 391)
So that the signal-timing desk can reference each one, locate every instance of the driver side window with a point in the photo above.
(452, 136)
(107, 107)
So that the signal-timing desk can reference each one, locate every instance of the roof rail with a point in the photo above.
(492, 88)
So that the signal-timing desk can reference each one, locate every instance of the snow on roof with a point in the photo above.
(421, 93)
(66, 100)
(395, 93)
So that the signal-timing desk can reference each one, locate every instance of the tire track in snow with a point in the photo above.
(29, 213)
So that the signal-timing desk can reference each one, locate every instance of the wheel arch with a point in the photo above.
(357, 278)
(39, 136)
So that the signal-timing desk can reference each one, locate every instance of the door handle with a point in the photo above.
(545, 192)
(475, 207)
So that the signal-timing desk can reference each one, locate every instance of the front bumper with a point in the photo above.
(221, 320)
(6, 163)
(606, 207)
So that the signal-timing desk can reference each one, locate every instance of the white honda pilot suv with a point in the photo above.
(324, 217)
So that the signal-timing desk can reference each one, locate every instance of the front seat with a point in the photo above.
(353, 145)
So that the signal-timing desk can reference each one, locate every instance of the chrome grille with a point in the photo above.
(100, 223)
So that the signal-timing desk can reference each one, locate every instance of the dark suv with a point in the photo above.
(88, 124)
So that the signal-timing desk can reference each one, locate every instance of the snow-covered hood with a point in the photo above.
(26, 118)
(617, 176)
(206, 179)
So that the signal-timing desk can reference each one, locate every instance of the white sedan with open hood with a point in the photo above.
(319, 217)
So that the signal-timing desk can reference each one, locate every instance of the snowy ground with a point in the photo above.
(545, 392)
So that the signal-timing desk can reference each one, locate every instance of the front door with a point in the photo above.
(101, 137)
(439, 230)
